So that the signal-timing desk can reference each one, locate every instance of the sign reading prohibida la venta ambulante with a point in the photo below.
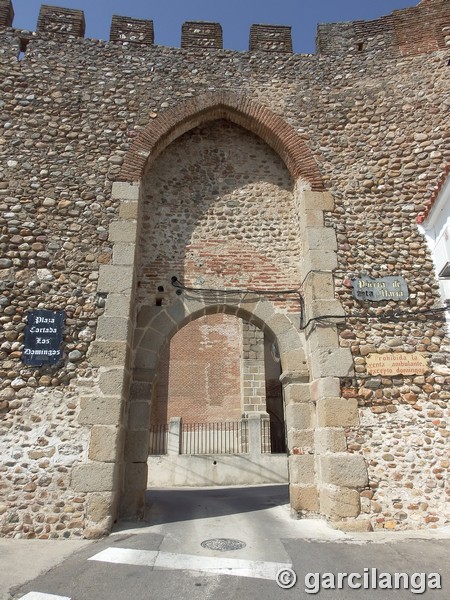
(383, 288)
(43, 336)
(396, 363)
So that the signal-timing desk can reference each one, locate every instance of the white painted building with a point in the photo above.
(436, 228)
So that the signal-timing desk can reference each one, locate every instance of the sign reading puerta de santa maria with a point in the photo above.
(43, 337)
(383, 288)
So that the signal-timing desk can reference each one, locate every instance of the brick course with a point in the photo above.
(200, 372)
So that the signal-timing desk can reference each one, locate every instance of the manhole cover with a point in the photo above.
(223, 544)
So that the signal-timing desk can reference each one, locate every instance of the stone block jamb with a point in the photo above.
(338, 486)
(103, 477)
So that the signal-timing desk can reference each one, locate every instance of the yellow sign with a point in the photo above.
(396, 363)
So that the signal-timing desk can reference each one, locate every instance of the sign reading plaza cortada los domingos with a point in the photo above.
(43, 337)
(383, 288)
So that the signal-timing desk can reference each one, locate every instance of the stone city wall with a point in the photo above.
(377, 127)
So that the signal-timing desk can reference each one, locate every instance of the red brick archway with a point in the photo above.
(255, 117)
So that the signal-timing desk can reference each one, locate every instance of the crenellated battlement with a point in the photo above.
(417, 30)
(135, 31)
(62, 21)
(201, 34)
(420, 29)
(270, 38)
(6, 13)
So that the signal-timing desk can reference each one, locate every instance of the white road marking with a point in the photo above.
(188, 562)
(41, 596)
(124, 556)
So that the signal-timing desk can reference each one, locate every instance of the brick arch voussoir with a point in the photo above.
(240, 110)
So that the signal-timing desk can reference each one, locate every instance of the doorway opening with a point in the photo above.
(217, 398)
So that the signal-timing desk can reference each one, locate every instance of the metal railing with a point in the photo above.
(265, 436)
(272, 438)
(225, 437)
(158, 439)
(222, 437)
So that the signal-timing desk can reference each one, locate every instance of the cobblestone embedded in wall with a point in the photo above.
(402, 487)
(377, 128)
(42, 441)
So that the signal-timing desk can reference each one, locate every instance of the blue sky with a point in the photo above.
(235, 16)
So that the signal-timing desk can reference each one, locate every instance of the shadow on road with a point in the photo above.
(183, 504)
(175, 504)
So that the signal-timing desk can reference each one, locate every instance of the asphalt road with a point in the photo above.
(230, 544)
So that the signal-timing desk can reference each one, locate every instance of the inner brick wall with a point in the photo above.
(199, 375)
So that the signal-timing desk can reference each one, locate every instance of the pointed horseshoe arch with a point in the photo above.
(238, 109)
(323, 479)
